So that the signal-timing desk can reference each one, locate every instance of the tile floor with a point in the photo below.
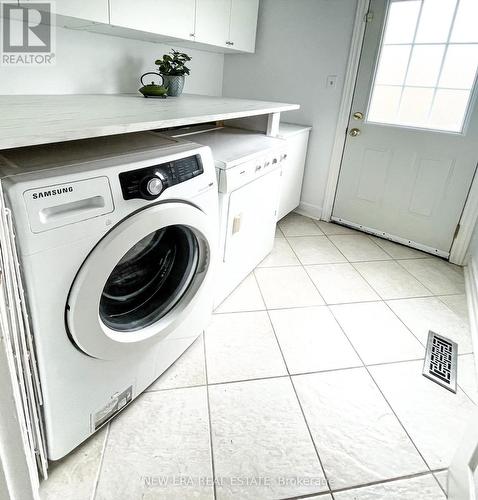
(307, 383)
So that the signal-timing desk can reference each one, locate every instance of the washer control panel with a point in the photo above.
(149, 182)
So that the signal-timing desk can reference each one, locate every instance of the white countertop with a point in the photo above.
(41, 119)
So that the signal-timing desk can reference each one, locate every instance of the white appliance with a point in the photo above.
(249, 168)
(117, 239)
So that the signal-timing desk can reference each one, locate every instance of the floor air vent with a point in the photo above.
(441, 360)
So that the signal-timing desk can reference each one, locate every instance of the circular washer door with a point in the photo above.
(140, 280)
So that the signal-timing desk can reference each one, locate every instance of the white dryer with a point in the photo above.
(249, 169)
(117, 239)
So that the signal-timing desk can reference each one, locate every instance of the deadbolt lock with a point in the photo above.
(358, 115)
(354, 132)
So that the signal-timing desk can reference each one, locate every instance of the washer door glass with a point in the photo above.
(150, 279)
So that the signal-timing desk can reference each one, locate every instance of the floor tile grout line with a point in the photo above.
(386, 400)
(211, 446)
(308, 275)
(411, 274)
(298, 374)
(393, 312)
(394, 298)
(334, 304)
(100, 465)
(403, 322)
(432, 473)
(372, 237)
(439, 485)
(372, 241)
(297, 396)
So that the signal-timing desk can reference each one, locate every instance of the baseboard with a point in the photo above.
(471, 285)
(309, 210)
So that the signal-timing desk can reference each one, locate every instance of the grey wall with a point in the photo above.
(88, 63)
(299, 43)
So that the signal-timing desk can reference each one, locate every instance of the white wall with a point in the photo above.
(92, 63)
(299, 43)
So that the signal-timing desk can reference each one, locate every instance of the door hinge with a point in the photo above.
(457, 230)
(368, 17)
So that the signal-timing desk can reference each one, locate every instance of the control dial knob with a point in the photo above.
(152, 186)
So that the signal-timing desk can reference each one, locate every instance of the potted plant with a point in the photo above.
(173, 70)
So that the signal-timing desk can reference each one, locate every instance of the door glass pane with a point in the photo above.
(465, 26)
(402, 21)
(449, 109)
(435, 21)
(385, 103)
(420, 57)
(415, 105)
(425, 65)
(393, 65)
(150, 279)
(460, 66)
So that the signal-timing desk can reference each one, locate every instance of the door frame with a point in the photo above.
(469, 216)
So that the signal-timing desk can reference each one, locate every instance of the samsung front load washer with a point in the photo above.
(117, 240)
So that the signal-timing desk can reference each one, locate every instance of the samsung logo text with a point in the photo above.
(52, 192)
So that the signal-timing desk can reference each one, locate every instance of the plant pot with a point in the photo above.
(174, 83)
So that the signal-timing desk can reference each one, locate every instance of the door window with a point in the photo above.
(150, 279)
(427, 64)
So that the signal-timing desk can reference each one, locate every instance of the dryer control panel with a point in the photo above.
(149, 182)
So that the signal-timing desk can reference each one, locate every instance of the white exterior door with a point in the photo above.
(412, 144)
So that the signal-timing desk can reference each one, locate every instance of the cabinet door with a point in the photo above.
(90, 10)
(163, 17)
(212, 21)
(292, 173)
(244, 24)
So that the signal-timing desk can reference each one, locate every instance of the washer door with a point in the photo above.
(140, 281)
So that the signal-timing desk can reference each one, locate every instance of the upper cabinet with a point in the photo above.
(88, 10)
(212, 21)
(227, 23)
(173, 18)
(243, 25)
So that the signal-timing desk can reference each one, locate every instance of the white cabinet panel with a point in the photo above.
(212, 21)
(165, 17)
(89, 10)
(243, 24)
(292, 169)
(251, 222)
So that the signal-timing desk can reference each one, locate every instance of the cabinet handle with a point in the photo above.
(192, 34)
(236, 224)
(229, 43)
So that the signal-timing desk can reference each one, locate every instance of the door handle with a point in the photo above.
(358, 115)
(354, 132)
